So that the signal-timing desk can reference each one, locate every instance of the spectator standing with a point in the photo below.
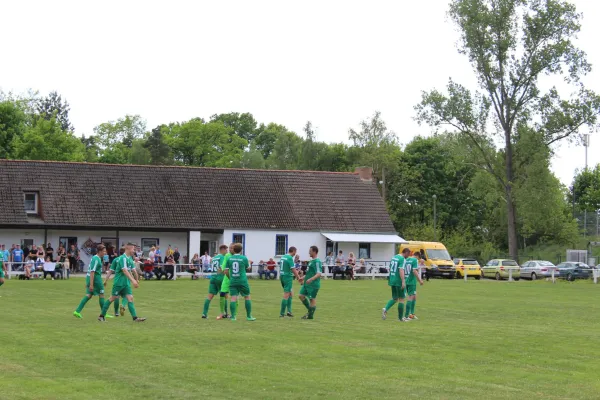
(5, 253)
(169, 252)
(176, 255)
(26, 251)
(40, 255)
(271, 264)
(73, 257)
(17, 257)
(139, 253)
(330, 261)
(157, 255)
(206, 259)
(50, 252)
(151, 254)
(195, 266)
(62, 259)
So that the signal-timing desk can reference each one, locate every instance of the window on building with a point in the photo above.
(240, 238)
(329, 248)
(281, 242)
(364, 250)
(26, 243)
(31, 202)
(147, 244)
(67, 242)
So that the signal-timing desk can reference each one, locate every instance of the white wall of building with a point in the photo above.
(8, 237)
(175, 239)
(379, 251)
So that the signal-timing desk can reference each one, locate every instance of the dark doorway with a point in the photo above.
(203, 247)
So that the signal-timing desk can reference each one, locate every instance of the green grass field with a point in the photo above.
(475, 340)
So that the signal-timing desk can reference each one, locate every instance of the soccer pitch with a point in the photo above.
(475, 340)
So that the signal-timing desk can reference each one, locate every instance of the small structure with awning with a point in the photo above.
(370, 246)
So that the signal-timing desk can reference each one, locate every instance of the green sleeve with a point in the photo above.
(224, 262)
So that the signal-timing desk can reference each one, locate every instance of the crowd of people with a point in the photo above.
(32, 260)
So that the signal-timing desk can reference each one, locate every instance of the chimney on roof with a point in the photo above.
(365, 173)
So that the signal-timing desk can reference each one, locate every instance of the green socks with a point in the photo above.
(311, 312)
(116, 304)
(1, 283)
(401, 310)
(101, 301)
(206, 304)
(248, 304)
(284, 305)
(390, 304)
(233, 309)
(306, 304)
(289, 304)
(82, 303)
(226, 306)
(105, 308)
(222, 304)
(125, 302)
(412, 307)
(131, 309)
(408, 305)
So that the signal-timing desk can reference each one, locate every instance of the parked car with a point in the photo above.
(499, 269)
(469, 266)
(574, 270)
(538, 269)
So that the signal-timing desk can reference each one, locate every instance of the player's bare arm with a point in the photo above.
(418, 276)
(403, 278)
(130, 277)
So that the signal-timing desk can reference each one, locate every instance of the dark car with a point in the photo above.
(574, 270)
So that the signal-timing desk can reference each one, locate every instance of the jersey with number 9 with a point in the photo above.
(237, 265)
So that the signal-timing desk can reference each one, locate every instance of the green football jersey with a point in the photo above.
(237, 265)
(95, 266)
(396, 265)
(285, 265)
(411, 265)
(216, 263)
(113, 265)
(125, 263)
(315, 266)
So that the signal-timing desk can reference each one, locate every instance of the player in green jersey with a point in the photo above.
(122, 284)
(2, 267)
(236, 268)
(286, 276)
(93, 281)
(311, 283)
(111, 270)
(216, 280)
(411, 272)
(397, 281)
(225, 284)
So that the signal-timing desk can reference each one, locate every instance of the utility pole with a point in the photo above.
(586, 144)
(434, 219)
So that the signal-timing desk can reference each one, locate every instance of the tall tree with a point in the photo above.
(53, 106)
(243, 125)
(46, 140)
(13, 123)
(158, 149)
(511, 44)
(124, 130)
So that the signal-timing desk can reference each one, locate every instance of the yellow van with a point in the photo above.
(437, 259)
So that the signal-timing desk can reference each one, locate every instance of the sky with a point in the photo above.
(331, 62)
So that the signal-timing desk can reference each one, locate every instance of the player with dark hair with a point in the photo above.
(111, 271)
(93, 281)
(225, 284)
(236, 268)
(311, 283)
(216, 281)
(397, 282)
(122, 284)
(286, 276)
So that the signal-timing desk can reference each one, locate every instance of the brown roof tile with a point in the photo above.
(76, 194)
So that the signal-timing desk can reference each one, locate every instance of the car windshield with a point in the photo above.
(545, 263)
(438, 254)
(469, 262)
(509, 263)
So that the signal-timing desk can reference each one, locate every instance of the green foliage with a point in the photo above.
(53, 106)
(243, 125)
(13, 123)
(157, 149)
(46, 140)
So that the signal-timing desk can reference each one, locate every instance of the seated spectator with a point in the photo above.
(350, 266)
(195, 266)
(49, 268)
(29, 268)
(340, 266)
(361, 267)
(262, 270)
(159, 268)
(206, 262)
(148, 267)
(271, 271)
(170, 268)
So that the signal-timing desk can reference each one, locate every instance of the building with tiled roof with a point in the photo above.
(195, 209)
